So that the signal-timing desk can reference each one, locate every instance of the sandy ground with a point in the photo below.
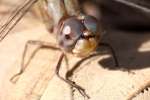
(99, 77)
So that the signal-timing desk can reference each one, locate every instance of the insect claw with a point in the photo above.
(83, 93)
(81, 90)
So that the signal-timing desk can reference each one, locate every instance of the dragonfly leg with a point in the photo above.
(71, 83)
(24, 65)
(112, 51)
(77, 65)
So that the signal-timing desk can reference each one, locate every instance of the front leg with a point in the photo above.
(77, 65)
(24, 65)
(70, 82)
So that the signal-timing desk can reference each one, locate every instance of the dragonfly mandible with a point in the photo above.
(76, 32)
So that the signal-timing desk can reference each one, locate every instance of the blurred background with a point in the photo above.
(124, 14)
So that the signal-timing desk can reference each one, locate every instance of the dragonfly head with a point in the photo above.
(78, 35)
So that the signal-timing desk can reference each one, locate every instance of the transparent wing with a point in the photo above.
(15, 17)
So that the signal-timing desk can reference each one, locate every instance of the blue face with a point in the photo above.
(73, 28)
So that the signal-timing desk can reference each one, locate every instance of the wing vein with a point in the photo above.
(15, 18)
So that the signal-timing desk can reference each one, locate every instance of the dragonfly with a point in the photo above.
(77, 33)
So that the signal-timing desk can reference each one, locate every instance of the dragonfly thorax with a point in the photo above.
(78, 35)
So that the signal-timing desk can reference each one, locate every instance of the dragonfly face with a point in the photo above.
(78, 35)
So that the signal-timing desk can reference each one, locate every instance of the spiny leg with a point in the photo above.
(71, 87)
(112, 51)
(73, 84)
(40, 44)
(67, 66)
(77, 65)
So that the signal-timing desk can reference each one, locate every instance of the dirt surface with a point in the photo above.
(98, 76)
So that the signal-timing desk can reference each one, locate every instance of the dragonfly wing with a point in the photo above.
(15, 17)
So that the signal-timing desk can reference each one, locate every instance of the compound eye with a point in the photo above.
(91, 23)
(70, 32)
(67, 32)
(73, 28)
